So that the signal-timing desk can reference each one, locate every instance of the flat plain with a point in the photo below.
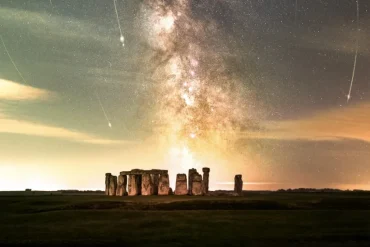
(256, 219)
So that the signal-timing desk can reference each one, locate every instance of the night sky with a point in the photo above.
(294, 59)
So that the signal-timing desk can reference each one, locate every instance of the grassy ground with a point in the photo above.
(276, 219)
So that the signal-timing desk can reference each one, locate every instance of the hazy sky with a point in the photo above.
(294, 57)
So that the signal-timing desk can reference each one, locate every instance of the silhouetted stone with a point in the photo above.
(134, 185)
(112, 185)
(155, 180)
(191, 173)
(121, 185)
(181, 186)
(163, 185)
(205, 181)
(170, 191)
(107, 179)
(238, 184)
(197, 185)
(146, 185)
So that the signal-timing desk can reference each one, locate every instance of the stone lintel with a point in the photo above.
(141, 172)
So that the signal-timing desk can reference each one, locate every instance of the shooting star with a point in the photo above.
(11, 59)
(356, 53)
(102, 107)
(121, 38)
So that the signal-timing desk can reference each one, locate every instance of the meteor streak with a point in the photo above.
(11, 59)
(356, 54)
(121, 38)
(102, 107)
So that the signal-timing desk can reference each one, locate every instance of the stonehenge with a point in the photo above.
(205, 181)
(163, 185)
(138, 182)
(181, 185)
(191, 173)
(107, 180)
(112, 185)
(147, 185)
(156, 182)
(134, 185)
(238, 184)
(196, 187)
(121, 185)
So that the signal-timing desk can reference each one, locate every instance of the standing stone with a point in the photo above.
(163, 185)
(107, 179)
(238, 185)
(121, 186)
(139, 178)
(155, 180)
(196, 188)
(147, 188)
(133, 185)
(191, 173)
(205, 182)
(181, 186)
(112, 185)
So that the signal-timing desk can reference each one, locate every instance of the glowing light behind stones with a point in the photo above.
(199, 107)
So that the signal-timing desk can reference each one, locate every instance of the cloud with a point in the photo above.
(34, 129)
(56, 26)
(337, 39)
(344, 123)
(10, 90)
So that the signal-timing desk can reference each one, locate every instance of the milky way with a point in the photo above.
(199, 103)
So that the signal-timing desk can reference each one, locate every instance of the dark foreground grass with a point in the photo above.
(258, 220)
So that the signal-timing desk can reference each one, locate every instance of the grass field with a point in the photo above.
(273, 219)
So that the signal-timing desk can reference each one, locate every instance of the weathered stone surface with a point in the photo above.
(181, 185)
(155, 180)
(196, 188)
(107, 179)
(140, 172)
(121, 185)
(146, 185)
(112, 185)
(205, 181)
(134, 185)
(163, 185)
(191, 173)
(238, 184)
